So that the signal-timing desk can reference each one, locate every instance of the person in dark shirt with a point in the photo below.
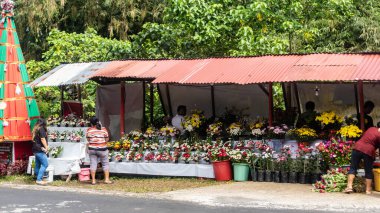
(368, 121)
(364, 149)
(40, 149)
(308, 117)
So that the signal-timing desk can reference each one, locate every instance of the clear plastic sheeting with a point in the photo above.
(108, 99)
(68, 74)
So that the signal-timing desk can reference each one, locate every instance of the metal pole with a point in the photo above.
(213, 101)
(151, 103)
(122, 108)
(161, 100)
(356, 99)
(361, 103)
(297, 98)
(144, 106)
(270, 104)
(169, 101)
(62, 98)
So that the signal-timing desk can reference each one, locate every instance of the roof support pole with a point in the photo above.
(151, 108)
(213, 101)
(270, 104)
(122, 108)
(361, 103)
(161, 100)
(356, 99)
(144, 106)
(169, 100)
(285, 92)
(62, 99)
(297, 98)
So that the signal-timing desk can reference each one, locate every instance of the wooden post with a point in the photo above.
(270, 105)
(213, 101)
(151, 108)
(122, 108)
(361, 104)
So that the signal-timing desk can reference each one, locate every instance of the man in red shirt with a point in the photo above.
(364, 149)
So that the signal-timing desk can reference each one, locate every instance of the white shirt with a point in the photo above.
(177, 122)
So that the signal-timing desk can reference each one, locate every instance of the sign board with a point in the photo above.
(6, 152)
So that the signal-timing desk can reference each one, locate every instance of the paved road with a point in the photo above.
(24, 200)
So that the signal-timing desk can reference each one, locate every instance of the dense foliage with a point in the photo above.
(188, 28)
(111, 18)
(72, 47)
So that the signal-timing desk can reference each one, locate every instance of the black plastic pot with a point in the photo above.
(276, 177)
(302, 178)
(268, 176)
(292, 177)
(260, 175)
(284, 177)
(254, 175)
(314, 177)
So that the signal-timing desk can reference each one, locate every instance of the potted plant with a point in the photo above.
(283, 160)
(254, 166)
(240, 161)
(276, 135)
(293, 169)
(336, 152)
(303, 157)
(149, 157)
(221, 161)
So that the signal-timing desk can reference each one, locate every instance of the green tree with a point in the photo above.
(69, 48)
(111, 18)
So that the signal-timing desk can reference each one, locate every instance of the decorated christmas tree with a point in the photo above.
(18, 106)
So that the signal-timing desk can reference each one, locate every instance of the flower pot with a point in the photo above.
(284, 177)
(314, 177)
(254, 175)
(302, 178)
(260, 175)
(222, 170)
(241, 171)
(268, 176)
(292, 177)
(276, 177)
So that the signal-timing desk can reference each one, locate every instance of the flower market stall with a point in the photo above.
(232, 118)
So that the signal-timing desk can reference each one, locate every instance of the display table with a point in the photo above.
(163, 169)
(69, 160)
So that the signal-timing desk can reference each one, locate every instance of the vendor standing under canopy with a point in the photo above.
(368, 121)
(179, 118)
(308, 117)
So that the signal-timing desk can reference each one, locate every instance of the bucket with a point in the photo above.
(241, 171)
(376, 173)
(222, 170)
(84, 174)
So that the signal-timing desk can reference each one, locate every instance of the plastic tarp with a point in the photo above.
(248, 99)
(337, 97)
(108, 107)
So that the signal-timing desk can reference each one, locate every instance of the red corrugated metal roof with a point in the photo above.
(148, 69)
(250, 70)
(282, 68)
